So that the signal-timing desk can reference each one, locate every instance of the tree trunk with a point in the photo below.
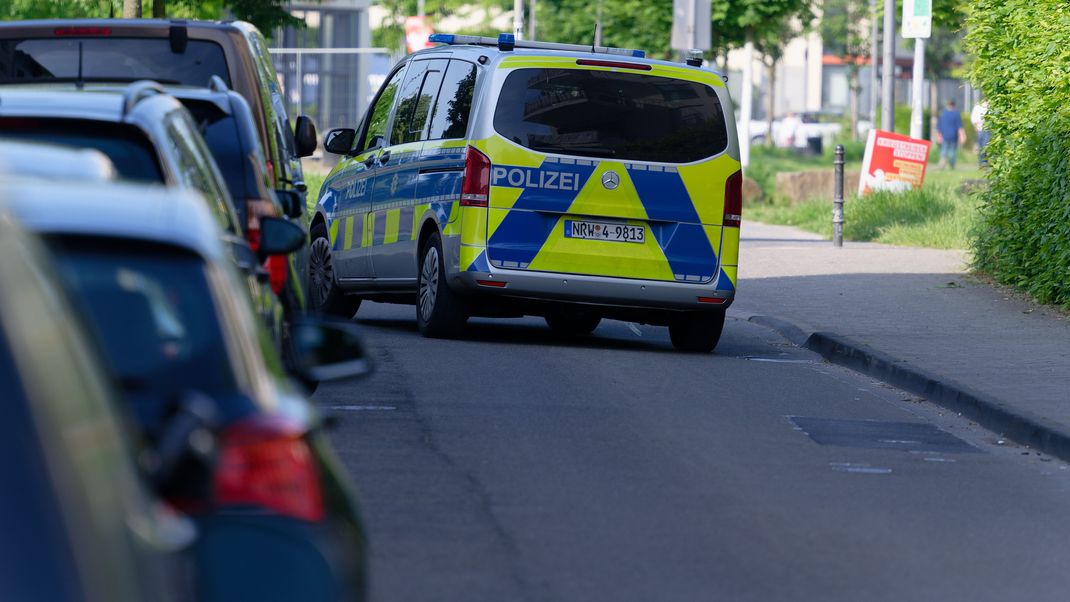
(853, 97)
(934, 106)
(131, 9)
(772, 103)
(159, 9)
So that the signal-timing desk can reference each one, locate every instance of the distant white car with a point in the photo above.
(54, 162)
(794, 132)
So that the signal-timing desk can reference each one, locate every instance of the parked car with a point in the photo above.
(53, 161)
(276, 514)
(78, 522)
(150, 138)
(226, 121)
(500, 177)
(184, 53)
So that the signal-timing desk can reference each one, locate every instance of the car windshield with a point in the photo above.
(110, 59)
(152, 310)
(128, 148)
(625, 116)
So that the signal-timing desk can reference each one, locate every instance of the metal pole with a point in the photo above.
(916, 88)
(531, 20)
(888, 69)
(837, 200)
(874, 52)
(518, 19)
(745, 102)
(420, 8)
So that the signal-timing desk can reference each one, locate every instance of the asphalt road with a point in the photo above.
(512, 465)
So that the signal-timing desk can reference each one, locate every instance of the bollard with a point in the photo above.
(837, 199)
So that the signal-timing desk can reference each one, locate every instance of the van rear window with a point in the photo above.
(107, 59)
(606, 114)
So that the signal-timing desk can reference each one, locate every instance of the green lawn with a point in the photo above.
(314, 181)
(936, 216)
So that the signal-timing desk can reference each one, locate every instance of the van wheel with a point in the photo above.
(440, 313)
(324, 294)
(697, 332)
(572, 323)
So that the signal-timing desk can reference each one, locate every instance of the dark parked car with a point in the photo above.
(77, 521)
(276, 515)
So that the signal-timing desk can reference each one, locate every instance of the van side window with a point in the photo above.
(379, 114)
(424, 102)
(450, 117)
(407, 99)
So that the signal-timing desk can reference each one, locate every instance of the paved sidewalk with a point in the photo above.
(915, 318)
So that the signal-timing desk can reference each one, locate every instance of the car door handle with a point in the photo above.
(369, 162)
(384, 157)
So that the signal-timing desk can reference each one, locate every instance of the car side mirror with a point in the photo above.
(305, 136)
(328, 351)
(340, 141)
(280, 237)
(292, 204)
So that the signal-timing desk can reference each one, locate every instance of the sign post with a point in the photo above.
(917, 24)
(893, 162)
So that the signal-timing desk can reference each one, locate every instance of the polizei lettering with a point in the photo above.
(523, 177)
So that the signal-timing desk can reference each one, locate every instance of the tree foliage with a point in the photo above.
(1021, 52)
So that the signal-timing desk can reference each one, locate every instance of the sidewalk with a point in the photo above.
(916, 319)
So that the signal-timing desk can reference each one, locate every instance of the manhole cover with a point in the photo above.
(876, 434)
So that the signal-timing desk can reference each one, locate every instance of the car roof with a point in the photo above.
(38, 159)
(119, 23)
(64, 101)
(115, 210)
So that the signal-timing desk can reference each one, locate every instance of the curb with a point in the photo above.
(991, 413)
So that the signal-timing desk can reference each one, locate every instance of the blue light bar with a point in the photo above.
(441, 38)
(506, 41)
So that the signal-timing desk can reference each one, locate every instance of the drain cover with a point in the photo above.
(876, 434)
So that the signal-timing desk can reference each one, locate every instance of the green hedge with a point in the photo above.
(1022, 66)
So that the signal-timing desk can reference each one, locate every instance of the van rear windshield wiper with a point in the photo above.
(574, 150)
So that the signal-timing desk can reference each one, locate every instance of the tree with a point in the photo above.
(845, 33)
(771, 47)
(642, 24)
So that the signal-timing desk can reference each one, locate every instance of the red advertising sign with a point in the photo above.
(893, 162)
(417, 32)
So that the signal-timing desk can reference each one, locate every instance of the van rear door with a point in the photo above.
(607, 168)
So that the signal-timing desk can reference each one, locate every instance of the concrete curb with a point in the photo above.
(991, 413)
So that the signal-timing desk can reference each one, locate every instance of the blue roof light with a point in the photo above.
(441, 38)
(506, 41)
(639, 54)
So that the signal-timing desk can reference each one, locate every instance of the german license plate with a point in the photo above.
(604, 231)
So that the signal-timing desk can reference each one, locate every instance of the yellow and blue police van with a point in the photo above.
(498, 177)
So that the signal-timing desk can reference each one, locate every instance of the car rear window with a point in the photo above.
(110, 60)
(606, 114)
(127, 147)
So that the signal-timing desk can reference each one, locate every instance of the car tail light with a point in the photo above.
(81, 31)
(492, 283)
(475, 188)
(278, 268)
(733, 200)
(614, 64)
(265, 462)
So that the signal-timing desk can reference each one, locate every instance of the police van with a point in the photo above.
(498, 177)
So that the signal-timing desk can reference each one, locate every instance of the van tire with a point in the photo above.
(697, 332)
(440, 312)
(324, 294)
(572, 324)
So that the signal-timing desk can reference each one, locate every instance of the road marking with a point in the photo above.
(858, 468)
(775, 360)
(351, 408)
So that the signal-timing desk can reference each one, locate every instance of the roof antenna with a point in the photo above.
(80, 82)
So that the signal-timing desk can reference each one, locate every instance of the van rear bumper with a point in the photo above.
(596, 290)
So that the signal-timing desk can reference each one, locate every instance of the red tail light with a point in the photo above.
(278, 268)
(265, 462)
(733, 200)
(475, 188)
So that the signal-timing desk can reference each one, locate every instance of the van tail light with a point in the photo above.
(733, 200)
(265, 462)
(475, 188)
(81, 31)
(278, 268)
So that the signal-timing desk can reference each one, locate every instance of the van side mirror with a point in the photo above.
(280, 237)
(291, 201)
(328, 351)
(340, 141)
(305, 136)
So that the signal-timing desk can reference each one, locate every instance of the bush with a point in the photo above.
(1022, 50)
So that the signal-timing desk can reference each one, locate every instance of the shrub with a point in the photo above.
(1022, 66)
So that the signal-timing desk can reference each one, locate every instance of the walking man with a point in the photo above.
(950, 133)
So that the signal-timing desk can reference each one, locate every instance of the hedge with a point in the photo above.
(1022, 66)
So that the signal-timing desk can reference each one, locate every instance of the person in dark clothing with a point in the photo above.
(950, 133)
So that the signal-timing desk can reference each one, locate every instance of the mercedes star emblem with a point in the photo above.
(610, 180)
